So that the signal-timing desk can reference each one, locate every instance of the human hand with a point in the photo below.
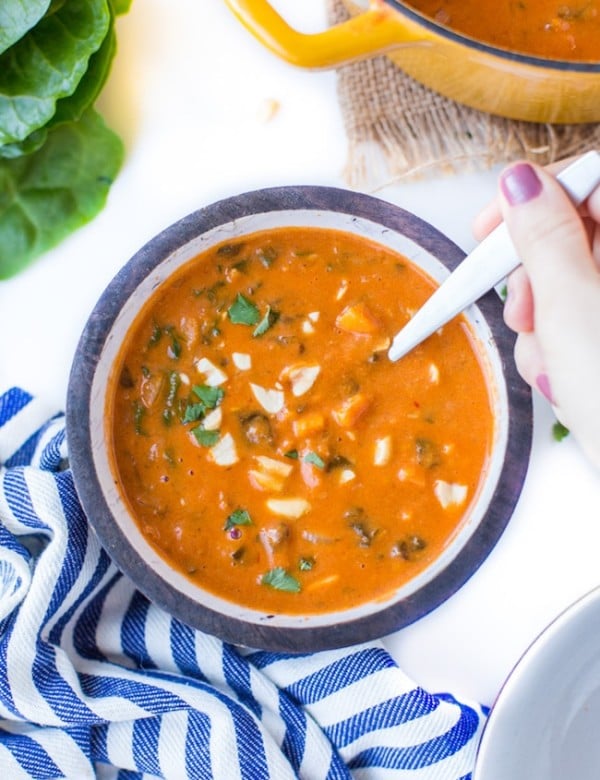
(553, 300)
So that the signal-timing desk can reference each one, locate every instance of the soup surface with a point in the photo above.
(266, 445)
(546, 28)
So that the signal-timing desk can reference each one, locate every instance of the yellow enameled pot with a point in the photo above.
(468, 71)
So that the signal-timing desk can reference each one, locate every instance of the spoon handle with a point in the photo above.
(486, 265)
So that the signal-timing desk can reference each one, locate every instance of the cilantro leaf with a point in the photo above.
(243, 312)
(238, 517)
(267, 322)
(312, 457)
(206, 438)
(559, 431)
(210, 396)
(279, 579)
(193, 413)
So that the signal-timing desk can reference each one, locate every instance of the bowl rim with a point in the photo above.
(265, 635)
(525, 730)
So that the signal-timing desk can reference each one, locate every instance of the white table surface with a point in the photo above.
(187, 93)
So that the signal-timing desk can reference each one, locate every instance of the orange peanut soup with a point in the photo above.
(268, 447)
(552, 29)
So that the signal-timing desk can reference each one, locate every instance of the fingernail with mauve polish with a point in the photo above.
(520, 184)
(543, 385)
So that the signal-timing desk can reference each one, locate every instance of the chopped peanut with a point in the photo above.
(213, 376)
(434, 374)
(273, 466)
(271, 400)
(270, 475)
(224, 452)
(301, 377)
(449, 493)
(213, 420)
(383, 451)
(262, 480)
(346, 475)
(288, 507)
(242, 360)
(267, 110)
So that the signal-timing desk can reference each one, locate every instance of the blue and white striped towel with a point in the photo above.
(95, 681)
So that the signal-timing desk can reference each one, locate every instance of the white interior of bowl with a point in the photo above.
(235, 229)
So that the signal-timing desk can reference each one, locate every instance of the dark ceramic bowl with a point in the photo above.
(87, 400)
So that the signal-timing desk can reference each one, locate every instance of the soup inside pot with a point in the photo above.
(267, 447)
(567, 30)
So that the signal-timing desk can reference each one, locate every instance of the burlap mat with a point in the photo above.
(398, 129)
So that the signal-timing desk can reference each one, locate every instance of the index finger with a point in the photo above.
(491, 215)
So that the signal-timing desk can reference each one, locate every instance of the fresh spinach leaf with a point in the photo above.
(46, 195)
(31, 144)
(47, 64)
(55, 5)
(72, 107)
(120, 6)
(91, 83)
(17, 17)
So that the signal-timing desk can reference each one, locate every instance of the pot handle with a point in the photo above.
(375, 31)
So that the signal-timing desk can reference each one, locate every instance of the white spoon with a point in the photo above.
(486, 265)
